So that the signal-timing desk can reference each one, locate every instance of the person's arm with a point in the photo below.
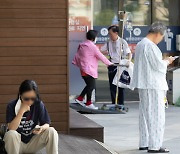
(41, 129)
(156, 61)
(104, 53)
(14, 124)
(169, 60)
(44, 127)
(129, 56)
(44, 119)
(127, 51)
(101, 57)
(104, 49)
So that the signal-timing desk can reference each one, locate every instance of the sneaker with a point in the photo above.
(91, 106)
(80, 102)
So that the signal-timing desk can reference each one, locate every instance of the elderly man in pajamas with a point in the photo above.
(150, 78)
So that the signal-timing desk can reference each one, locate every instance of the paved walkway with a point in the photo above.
(121, 131)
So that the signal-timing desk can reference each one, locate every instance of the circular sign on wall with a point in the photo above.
(104, 32)
(137, 31)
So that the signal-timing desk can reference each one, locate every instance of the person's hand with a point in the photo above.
(24, 108)
(37, 131)
(128, 63)
(170, 59)
(112, 64)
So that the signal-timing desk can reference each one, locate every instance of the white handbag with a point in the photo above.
(123, 78)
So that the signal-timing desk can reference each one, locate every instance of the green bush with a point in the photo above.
(104, 18)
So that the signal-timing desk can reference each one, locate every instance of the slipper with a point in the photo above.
(161, 150)
(143, 148)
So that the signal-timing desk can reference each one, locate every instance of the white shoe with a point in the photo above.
(80, 102)
(91, 106)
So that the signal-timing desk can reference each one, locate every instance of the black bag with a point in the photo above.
(3, 130)
(125, 78)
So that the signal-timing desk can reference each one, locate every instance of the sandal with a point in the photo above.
(161, 150)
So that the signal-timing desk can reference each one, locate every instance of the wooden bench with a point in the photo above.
(84, 127)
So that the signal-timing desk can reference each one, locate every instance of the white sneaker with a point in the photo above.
(80, 102)
(91, 106)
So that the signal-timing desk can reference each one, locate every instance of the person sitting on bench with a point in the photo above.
(28, 123)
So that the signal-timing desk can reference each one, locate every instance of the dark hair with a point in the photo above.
(114, 28)
(28, 85)
(91, 35)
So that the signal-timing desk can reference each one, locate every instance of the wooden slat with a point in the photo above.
(24, 42)
(60, 126)
(40, 79)
(58, 116)
(53, 89)
(3, 108)
(47, 98)
(33, 4)
(33, 13)
(33, 70)
(3, 118)
(57, 107)
(33, 61)
(32, 32)
(51, 107)
(54, 98)
(55, 117)
(43, 89)
(32, 51)
(36, 23)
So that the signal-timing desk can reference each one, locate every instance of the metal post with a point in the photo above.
(120, 8)
(121, 17)
(152, 11)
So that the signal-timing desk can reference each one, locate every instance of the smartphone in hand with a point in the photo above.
(176, 57)
(37, 128)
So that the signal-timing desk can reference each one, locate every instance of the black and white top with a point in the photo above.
(37, 115)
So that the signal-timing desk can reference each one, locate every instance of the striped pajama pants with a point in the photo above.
(151, 118)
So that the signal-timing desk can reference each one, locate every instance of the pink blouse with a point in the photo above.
(87, 57)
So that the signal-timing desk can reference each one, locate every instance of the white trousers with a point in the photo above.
(48, 139)
(151, 118)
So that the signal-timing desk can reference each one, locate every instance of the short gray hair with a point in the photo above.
(158, 27)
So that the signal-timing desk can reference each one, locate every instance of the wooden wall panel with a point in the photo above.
(40, 79)
(47, 98)
(55, 117)
(44, 89)
(52, 108)
(35, 70)
(24, 42)
(34, 45)
(32, 51)
(33, 23)
(39, 4)
(32, 13)
(33, 61)
(32, 32)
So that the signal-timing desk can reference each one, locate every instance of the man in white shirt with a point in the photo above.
(149, 77)
(112, 49)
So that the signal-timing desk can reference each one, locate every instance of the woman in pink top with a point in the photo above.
(86, 59)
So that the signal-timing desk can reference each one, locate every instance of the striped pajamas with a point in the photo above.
(149, 76)
(151, 118)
